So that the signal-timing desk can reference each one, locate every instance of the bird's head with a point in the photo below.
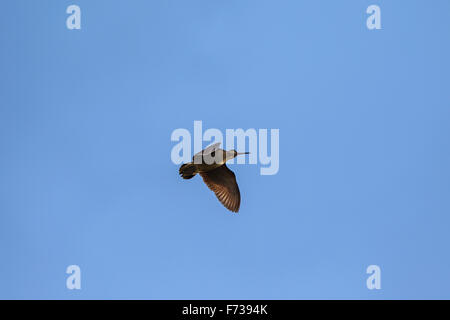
(233, 154)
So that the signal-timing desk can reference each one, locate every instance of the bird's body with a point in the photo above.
(211, 165)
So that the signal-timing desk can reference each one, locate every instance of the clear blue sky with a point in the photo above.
(85, 171)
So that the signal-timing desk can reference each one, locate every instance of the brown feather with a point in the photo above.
(222, 182)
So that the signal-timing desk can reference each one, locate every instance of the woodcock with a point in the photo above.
(210, 163)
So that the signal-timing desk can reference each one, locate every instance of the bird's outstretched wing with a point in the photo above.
(198, 157)
(223, 182)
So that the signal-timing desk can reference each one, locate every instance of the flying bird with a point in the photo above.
(210, 164)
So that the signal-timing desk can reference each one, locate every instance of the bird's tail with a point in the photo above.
(188, 170)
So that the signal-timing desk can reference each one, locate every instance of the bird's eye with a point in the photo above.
(213, 154)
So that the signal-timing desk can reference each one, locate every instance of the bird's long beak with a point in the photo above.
(243, 153)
